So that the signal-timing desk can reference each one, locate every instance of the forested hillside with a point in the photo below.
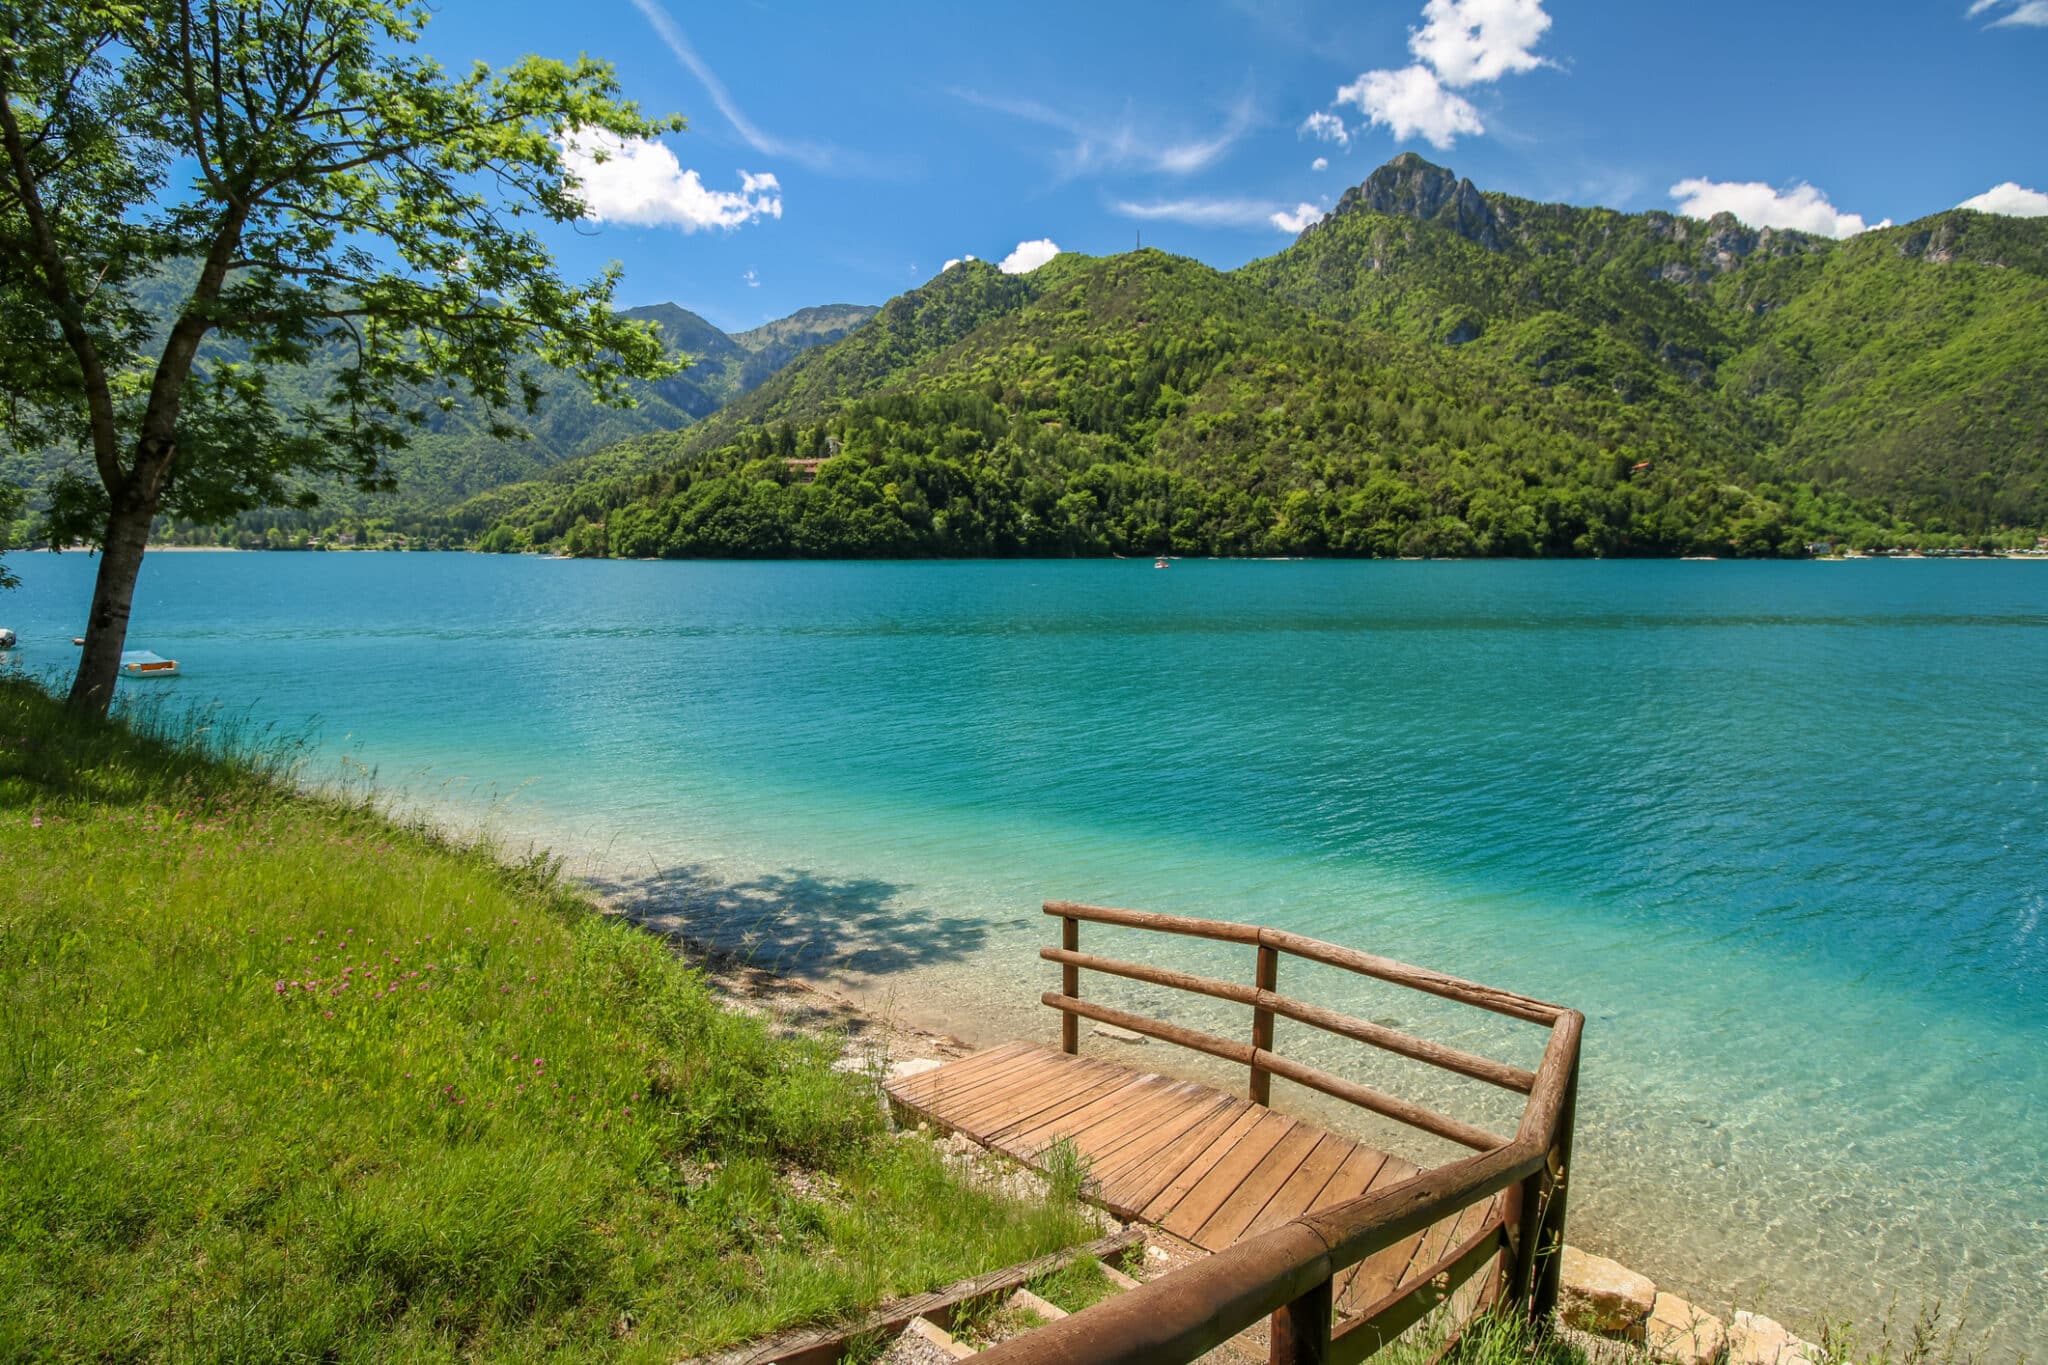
(457, 456)
(1429, 370)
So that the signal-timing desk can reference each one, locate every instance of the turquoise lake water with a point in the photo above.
(1779, 830)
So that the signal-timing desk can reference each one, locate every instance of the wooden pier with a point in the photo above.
(1342, 1245)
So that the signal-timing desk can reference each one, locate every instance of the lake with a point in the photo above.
(1778, 829)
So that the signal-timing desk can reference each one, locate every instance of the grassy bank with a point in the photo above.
(281, 1079)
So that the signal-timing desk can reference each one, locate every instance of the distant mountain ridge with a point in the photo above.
(1428, 369)
(456, 457)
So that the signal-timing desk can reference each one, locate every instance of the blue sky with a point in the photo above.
(844, 152)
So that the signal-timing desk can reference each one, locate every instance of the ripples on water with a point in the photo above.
(1777, 829)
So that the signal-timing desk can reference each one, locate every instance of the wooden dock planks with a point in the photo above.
(1205, 1166)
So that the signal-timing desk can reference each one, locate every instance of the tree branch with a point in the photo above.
(99, 399)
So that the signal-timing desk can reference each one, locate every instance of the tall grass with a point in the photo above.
(281, 1079)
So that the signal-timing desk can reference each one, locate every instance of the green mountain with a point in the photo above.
(1428, 370)
(456, 457)
(1896, 366)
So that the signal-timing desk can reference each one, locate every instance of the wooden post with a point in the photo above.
(1300, 1332)
(1070, 985)
(1537, 1216)
(1549, 1253)
(1527, 1202)
(1262, 1024)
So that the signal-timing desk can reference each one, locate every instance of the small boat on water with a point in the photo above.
(141, 663)
(1161, 562)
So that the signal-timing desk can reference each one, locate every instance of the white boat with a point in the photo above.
(141, 663)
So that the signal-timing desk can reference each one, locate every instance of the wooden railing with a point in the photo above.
(1290, 1272)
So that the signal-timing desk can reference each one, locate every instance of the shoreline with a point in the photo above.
(1946, 557)
(1724, 1268)
(1604, 1302)
(1727, 1147)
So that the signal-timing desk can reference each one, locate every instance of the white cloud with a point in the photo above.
(2010, 199)
(1460, 43)
(1325, 127)
(1466, 41)
(1102, 145)
(1028, 256)
(753, 280)
(1297, 218)
(955, 261)
(1412, 102)
(1321, 163)
(1801, 207)
(1198, 212)
(1220, 213)
(2018, 13)
(809, 154)
(641, 182)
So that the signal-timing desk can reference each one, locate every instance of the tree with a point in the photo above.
(10, 508)
(200, 197)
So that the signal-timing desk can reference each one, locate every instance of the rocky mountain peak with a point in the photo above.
(1411, 187)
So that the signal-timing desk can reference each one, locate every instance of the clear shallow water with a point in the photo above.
(1778, 829)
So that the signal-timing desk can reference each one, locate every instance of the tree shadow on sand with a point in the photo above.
(794, 922)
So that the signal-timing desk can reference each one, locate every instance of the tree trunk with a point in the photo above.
(106, 629)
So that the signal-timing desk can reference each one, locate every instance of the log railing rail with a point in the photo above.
(1290, 1272)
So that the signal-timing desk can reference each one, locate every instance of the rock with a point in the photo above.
(1754, 1339)
(1683, 1334)
(1121, 1035)
(913, 1066)
(1600, 1295)
(1410, 187)
(924, 1343)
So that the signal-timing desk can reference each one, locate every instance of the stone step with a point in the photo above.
(939, 1337)
(1025, 1299)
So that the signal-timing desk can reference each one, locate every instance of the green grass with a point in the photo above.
(281, 1079)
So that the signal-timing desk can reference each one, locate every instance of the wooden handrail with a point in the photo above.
(1315, 950)
(1416, 978)
(1407, 1304)
(1194, 1039)
(1289, 1272)
(1330, 1021)
(1405, 1045)
(1156, 976)
(1365, 1097)
(1222, 930)
(1244, 1054)
(1200, 1306)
